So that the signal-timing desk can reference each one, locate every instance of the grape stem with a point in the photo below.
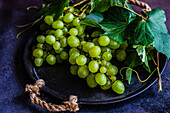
(79, 3)
(160, 84)
(109, 76)
(132, 12)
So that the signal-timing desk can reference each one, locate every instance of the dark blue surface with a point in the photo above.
(13, 76)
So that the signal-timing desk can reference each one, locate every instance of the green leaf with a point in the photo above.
(133, 60)
(144, 34)
(162, 43)
(56, 7)
(89, 22)
(97, 17)
(100, 5)
(157, 20)
(104, 5)
(141, 50)
(149, 29)
(117, 2)
(129, 75)
(116, 24)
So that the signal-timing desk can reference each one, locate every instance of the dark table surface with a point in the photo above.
(13, 76)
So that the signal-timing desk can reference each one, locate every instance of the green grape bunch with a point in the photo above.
(89, 54)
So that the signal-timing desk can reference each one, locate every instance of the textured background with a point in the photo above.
(13, 76)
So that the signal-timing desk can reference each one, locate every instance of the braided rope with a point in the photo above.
(70, 105)
(140, 4)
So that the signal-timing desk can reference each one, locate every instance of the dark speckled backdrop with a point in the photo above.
(13, 76)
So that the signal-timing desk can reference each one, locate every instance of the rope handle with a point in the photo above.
(33, 90)
(140, 4)
(72, 104)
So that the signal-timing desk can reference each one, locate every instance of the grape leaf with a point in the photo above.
(89, 22)
(148, 30)
(117, 2)
(141, 50)
(129, 75)
(132, 61)
(104, 5)
(162, 43)
(116, 24)
(97, 17)
(100, 5)
(56, 8)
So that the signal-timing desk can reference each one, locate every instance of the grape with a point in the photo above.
(64, 55)
(57, 24)
(99, 62)
(95, 51)
(65, 30)
(120, 55)
(50, 39)
(93, 66)
(48, 19)
(60, 50)
(73, 32)
(80, 30)
(81, 60)
(83, 72)
(105, 49)
(87, 46)
(51, 32)
(83, 16)
(91, 81)
(82, 43)
(38, 62)
(108, 64)
(73, 50)
(118, 87)
(40, 46)
(76, 22)
(96, 34)
(107, 56)
(58, 58)
(56, 45)
(47, 31)
(73, 56)
(71, 9)
(103, 69)
(112, 70)
(104, 40)
(41, 39)
(44, 56)
(107, 86)
(61, 18)
(101, 79)
(58, 33)
(113, 78)
(74, 69)
(68, 17)
(95, 41)
(124, 45)
(104, 62)
(73, 41)
(38, 53)
(51, 59)
(63, 42)
(114, 44)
